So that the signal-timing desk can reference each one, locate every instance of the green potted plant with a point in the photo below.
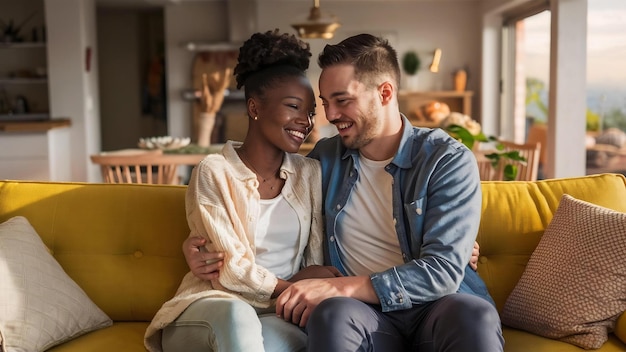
(411, 64)
(499, 155)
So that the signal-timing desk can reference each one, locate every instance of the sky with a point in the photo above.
(606, 50)
(606, 43)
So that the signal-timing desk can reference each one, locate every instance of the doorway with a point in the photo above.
(131, 64)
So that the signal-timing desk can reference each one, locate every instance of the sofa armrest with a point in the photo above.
(620, 327)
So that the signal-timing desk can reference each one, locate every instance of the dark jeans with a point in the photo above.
(457, 322)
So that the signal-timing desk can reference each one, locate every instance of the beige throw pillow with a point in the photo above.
(40, 305)
(573, 288)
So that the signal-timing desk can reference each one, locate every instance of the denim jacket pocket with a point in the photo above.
(415, 216)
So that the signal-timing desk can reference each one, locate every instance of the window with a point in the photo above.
(606, 86)
(525, 70)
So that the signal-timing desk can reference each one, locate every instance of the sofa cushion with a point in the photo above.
(573, 286)
(130, 234)
(515, 215)
(620, 327)
(40, 306)
(516, 340)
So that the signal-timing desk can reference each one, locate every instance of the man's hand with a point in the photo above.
(316, 272)
(204, 265)
(474, 259)
(297, 302)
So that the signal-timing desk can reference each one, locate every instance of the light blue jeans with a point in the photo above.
(231, 325)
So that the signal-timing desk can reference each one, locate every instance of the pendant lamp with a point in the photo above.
(317, 25)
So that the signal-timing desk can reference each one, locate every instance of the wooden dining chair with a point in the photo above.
(538, 133)
(526, 171)
(486, 171)
(137, 166)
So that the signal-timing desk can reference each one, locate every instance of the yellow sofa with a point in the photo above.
(131, 235)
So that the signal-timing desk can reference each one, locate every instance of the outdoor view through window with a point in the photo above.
(606, 80)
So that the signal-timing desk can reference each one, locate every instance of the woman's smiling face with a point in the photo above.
(285, 112)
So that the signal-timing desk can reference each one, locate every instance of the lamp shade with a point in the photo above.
(317, 25)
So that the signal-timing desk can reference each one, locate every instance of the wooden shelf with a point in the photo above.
(410, 101)
(34, 126)
(41, 116)
(22, 45)
(23, 80)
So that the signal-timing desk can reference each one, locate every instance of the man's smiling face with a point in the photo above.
(350, 105)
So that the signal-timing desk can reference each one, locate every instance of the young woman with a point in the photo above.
(259, 204)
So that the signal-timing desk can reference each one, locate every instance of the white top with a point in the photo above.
(366, 235)
(223, 206)
(277, 239)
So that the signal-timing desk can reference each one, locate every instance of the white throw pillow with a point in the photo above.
(40, 305)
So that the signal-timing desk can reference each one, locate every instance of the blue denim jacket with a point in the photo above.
(436, 207)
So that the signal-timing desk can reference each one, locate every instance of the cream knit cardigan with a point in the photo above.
(222, 204)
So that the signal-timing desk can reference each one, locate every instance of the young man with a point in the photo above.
(402, 207)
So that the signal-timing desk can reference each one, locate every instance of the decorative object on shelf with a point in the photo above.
(465, 121)
(163, 142)
(434, 66)
(460, 80)
(317, 25)
(11, 31)
(411, 102)
(212, 72)
(432, 112)
(411, 64)
(21, 105)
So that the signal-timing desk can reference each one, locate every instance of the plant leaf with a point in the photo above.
(463, 134)
(510, 172)
(514, 155)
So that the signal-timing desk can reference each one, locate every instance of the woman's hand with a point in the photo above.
(204, 265)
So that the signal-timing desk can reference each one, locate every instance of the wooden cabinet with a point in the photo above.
(410, 101)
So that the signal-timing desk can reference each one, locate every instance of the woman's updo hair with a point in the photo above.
(267, 57)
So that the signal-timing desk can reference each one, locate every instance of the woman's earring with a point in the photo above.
(255, 118)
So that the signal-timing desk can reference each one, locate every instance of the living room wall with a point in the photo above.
(454, 26)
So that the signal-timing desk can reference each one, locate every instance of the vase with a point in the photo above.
(205, 124)
(460, 80)
(411, 82)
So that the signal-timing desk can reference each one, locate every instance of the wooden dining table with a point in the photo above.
(171, 160)
(164, 157)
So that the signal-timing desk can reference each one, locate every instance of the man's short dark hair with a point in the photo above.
(371, 57)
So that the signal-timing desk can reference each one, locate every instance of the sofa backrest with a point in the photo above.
(120, 243)
(515, 215)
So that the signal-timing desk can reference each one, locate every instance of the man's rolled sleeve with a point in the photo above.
(390, 290)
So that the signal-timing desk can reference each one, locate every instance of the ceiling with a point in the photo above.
(160, 3)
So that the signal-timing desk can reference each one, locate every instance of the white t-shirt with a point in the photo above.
(277, 238)
(366, 232)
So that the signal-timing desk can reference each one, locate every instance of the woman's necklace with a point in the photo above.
(265, 180)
